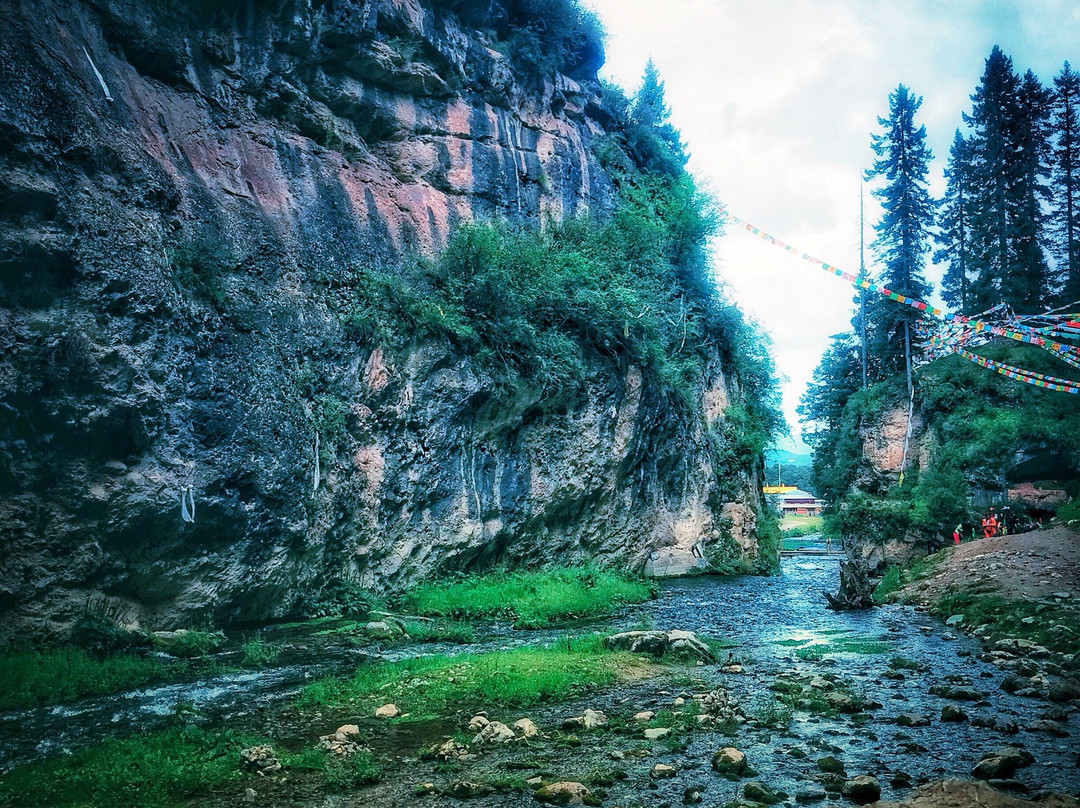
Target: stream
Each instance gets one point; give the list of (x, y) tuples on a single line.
[(770, 619)]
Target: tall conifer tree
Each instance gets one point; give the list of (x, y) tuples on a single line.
[(992, 117), (1027, 286), (1066, 181), (954, 219), (908, 212)]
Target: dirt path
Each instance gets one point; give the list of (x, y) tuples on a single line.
[(1026, 566)]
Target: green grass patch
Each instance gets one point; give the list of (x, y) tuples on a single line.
[(1054, 626), (259, 653), (890, 582), (434, 685), (150, 770), (37, 678), (530, 599), (901, 663)]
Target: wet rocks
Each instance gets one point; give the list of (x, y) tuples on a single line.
[(862, 789), (451, 750), (810, 793), (343, 742), (478, 722), (566, 793), (1063, 691), (644, 716), (831, 764), (952, 713), (382, 630), (684, 644), (692, 795), (494, 732), (956, 693), (1001, 764), (1055, 728), (526, 728), (260, 759), (387, 711), (662, 771), (760, 793), (656, 733), (912, 720), (465, 789), (730, 762), (951, 793), (591, 719)]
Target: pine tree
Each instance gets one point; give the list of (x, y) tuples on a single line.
[(651, 137), (1009, 169), (954, 219), (1027, 286), (993, 113), (1065, 223), (908, 212)]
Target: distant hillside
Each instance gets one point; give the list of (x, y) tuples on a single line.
[(785, 456)]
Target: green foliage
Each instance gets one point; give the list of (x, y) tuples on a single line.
[(548, 36), (338, 599), (433, 685), (259, 653), (157, 769), (193, 643), (35, 678), (889, 583), (440, 631), (101, 635), (358, 769), (1069, 512), (530, 599)]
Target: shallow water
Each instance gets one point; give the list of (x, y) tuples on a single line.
[(757, 613)]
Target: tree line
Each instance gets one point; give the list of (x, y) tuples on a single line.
[(1007, 229)]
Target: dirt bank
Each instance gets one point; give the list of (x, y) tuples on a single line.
[(1026, 566)]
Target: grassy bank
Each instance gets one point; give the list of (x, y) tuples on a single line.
[(150, 770), (530, 599), (162, 768), (36, 678), (1052, 626), (437, 684)]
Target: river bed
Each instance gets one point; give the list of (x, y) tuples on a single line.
[(776, 622)]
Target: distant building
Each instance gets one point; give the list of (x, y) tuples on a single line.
[(799, 503)]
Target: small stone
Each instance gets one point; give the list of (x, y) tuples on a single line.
[(862, 789), (730, 762), (955, 620), (692, 795), (679, 702), (464, 789), (1001, 765), (656, 733), (662, 771), (950, 712), (260, 759), (810, 793), (1055, 728), (1064, 691), (526, 728), (644, 716), (761, 793), (478, 722), (347, 732), (380, 630), (831, 764), (388, 711), (566, 793), (426, 790), (593, 719), (494, 732), (912, 720), (250, 795)]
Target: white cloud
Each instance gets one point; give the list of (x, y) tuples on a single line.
[(777, 99)]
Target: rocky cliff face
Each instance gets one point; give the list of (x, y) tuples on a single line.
[(181, 191)]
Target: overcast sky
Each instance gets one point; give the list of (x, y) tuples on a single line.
[(777, 99)]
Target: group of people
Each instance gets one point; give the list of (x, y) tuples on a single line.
[(992, 524)]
